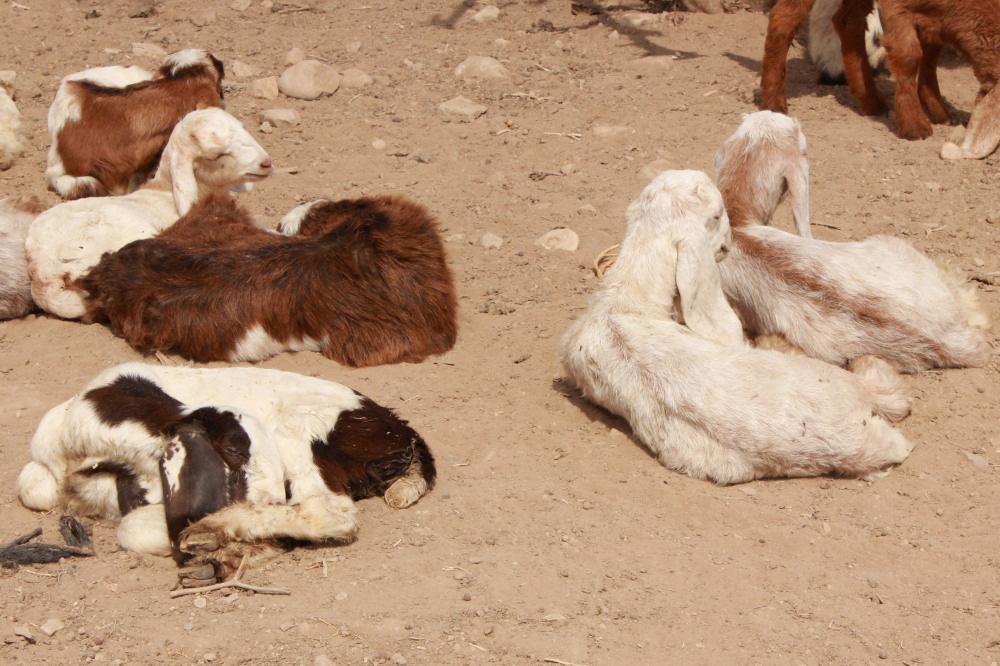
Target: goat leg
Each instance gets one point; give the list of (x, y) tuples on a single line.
[(850, 24), (784, 21)]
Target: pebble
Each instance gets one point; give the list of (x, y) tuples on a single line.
[(475, 560), (202, 18), (266, 127), (481, 68), (567, 169), (466, 597), (355, 78), (295, 56), (25, 633), (309, 79), (462, 108), (554, 617), (491, 242), (978, 262), (278, 117), (486, 14), (210, 656), (352, 47), (286, 626), (241, 70), (588, 209), (266, 88), (609, 130), (240, 5), (147, 50), (559, 239), (379, 144), (200, 602), (51, 626), (340, 596)]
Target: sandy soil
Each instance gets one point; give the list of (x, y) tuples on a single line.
[(552, 534)]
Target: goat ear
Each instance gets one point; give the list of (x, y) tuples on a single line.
[(797, 178), (185, 185), (704, 306), (211, 140)]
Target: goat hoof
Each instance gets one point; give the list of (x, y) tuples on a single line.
[(194, 542), (917, 132), (199, 575)]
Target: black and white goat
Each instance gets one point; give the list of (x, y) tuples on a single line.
[(211, 465)]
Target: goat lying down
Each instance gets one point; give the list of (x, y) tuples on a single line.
[(108, 125), (207, 149), (211, 465), (363, 281), (835, 301), (695, 395), (15, 288)]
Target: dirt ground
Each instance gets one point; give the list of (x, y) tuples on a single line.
[(552, 534)]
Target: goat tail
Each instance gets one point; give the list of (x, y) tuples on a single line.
[(884, 385)]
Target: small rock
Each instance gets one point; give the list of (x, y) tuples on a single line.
[(976, 459), (322, 660), (8, 78), (51, 626), (462, 108), (486, 14), (554, 617), (398, 659), (25, 633), (147, 50), (491, 241), (309, 79), (210, 657), (481, 68), (340, 596), (240, 5), (587, 209), (379, 144), (883, 655), (609, 130), (559, 239), (654, 169), (475, 560), (200, 602), (278, 117), (266, 88), (355, 78), (295, 56), (202, 18), (352, 47), (978, 262), (826, 528), (567, 169), (241, 70), (286, 626), (266, 127), (466, 597)]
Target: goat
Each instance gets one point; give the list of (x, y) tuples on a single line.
[(109, 124), (209, 465), (836, 301), (704, 403), (915, 32), (850, 22), (207, 149), (363, 281), (10, 131), (824, 44), (15, 288)]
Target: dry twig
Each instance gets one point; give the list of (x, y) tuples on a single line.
[(235, 582)]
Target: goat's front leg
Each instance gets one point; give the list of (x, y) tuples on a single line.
[(850, 22), (927, 85), (903, 53), (221, 539), (784, 21)]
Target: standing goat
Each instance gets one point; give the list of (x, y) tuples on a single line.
[(208, 149), (363, 281), (701, 401), (109, 124), (835, 301), (212, 465)]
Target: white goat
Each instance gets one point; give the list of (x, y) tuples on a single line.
[(701, 401), (835, 301), (208, 482), (10, 131), (208, 147), (15, 288)]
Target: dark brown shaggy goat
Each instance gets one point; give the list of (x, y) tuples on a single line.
[(107, 140), (364, 281)]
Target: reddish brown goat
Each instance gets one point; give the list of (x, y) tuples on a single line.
[(915, 31), (784, 22), (107, 140), (364, 281)]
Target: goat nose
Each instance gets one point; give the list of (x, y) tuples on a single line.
[(265, 163)]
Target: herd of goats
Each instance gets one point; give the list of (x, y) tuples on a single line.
[(736, 351)]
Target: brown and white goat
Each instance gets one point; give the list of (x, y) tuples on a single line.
[(110, 124), (915, 32), (835, 301), (850, 22), (210, 465), (363, 281)]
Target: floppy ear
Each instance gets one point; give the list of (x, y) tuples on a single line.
[(797, 178), (180, 161), (703, 304), (211, 140)]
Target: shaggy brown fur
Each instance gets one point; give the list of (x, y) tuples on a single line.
[(122, 131), (367, 278), (915, 31), (785, 19)]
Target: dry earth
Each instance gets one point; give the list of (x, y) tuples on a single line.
[(552, 534)]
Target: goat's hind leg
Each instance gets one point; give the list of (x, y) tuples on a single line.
[(983, 133), (782, 24), (927, 84)]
